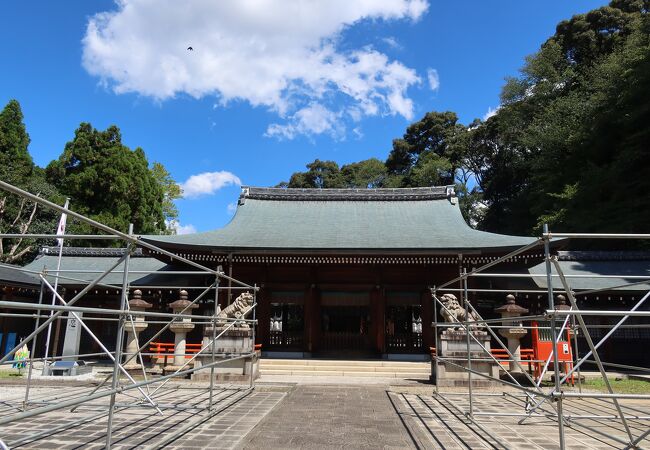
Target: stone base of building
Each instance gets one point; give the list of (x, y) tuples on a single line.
[(133, 369), (232, 344), (450, 368), (229, 369), (168, 370)]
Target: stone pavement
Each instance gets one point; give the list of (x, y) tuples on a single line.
[(391, 417), (353, 417), (140, 427), (439, 421), (293, 414)]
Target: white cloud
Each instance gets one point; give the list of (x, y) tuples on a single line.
[(279, 54), (207, 183), (490, 112), (312, 119), (391, 42), (181, 229), (434, 79)]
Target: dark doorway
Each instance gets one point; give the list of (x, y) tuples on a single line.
[(286, 330), (404, 329), (345, 329)]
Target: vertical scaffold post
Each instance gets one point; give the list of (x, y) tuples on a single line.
[(253, 324), (435, 335), (576, 355), (33, 353), (469, 353), (118, 344), (551, 306), (214, 338)]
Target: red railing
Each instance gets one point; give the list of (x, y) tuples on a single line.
[(162, 352), (527, 355)]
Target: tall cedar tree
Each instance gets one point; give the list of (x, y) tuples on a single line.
[(108, 181), (18, 216)]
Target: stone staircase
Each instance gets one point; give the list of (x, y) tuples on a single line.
[(346, 368)]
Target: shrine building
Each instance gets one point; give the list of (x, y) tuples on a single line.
[(344, 271)]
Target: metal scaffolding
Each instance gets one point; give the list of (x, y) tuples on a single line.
[(535, 401), (120, 391)]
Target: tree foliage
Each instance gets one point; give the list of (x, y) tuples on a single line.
[(573, 129), (109, 182), (103, 178), (17, 215), (171, 192), (569, 145)]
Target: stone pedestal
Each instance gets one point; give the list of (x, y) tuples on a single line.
[(180, 327), (510, 311), (234, 342), (133, 330), (453, 344)]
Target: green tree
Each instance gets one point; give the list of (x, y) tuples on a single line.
[(17, 215), (427, 154), (108, 181), (16, 165), (573, 126), (370, 173), (171, 192), (320, 174)]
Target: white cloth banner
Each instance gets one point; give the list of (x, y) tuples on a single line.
[(60, 231)]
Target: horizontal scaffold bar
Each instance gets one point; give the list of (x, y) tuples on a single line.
[(597, 235), (595, 312), (125, 312)]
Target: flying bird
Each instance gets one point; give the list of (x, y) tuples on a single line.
[(190, 49)]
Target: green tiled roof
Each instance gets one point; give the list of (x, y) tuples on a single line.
[(274, 219), (590, 271), (10, 274), (95, 263)]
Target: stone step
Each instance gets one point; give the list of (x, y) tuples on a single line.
[(331, 362), (343, 373), (339, 367)]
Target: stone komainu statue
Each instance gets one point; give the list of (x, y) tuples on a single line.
[(236, 310), (455, 312)]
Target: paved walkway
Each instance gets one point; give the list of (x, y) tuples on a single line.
[(391, 417), (353, 417), (238, 412), (292, 415)]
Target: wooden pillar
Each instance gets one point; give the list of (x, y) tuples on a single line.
[(306, 314), (263, 316), (373, 310), (380, 300), (426, 301), (313, 315)]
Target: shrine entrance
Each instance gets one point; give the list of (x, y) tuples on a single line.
[(404, 323), (345, 323)]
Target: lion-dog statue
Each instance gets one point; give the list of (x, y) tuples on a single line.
[(455, 313), (236, 310)]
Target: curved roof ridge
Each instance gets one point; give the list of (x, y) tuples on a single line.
[(276, 219), (347, 194)]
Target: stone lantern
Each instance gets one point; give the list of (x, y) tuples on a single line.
[(136, 304), (181, 326), (560, 303), (510, 310)]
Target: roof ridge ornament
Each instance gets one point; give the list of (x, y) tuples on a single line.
[(245, 191), (451, 194)]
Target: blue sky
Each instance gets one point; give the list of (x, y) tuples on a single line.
[(271, 84)]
